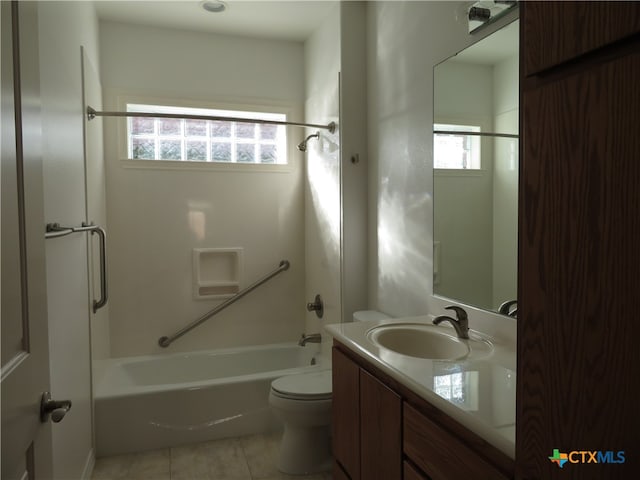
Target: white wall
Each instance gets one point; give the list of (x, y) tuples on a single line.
[(354, 157), (322, 186), (405, 41), (151, 239), (63, 28)]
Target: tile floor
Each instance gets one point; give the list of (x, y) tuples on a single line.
[(244, 458)]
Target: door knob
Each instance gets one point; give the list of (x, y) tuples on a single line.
[(56, 408)]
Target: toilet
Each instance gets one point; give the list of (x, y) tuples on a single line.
[(303, 403)]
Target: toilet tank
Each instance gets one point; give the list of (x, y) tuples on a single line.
[(364, 315)]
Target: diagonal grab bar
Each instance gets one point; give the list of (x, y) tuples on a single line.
[(166, 341)]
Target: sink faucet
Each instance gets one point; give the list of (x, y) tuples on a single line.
[(510, 308), (313, 338), (461, 324)]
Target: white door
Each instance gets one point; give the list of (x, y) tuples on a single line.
[(24, 373)]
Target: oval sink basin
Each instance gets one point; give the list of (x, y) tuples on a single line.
[(419, 340)]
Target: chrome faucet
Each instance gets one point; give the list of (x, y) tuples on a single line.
[(510, 307), (313, 338), (460, 323)]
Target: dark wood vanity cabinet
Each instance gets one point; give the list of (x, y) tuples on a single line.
[(345, 415), (579, 237), (366, 424), (383, 431)]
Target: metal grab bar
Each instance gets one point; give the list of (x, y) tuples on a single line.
[(54, 230), (103, 269), (166, 341), (92, 113)]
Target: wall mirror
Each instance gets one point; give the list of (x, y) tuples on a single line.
[(475, 187)]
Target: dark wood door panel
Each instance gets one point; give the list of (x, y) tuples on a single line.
[(380, 430), (345, 413), (440, 454), (558, 31), (579, 267)]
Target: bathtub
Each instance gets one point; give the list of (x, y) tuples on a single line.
[(160, 401)]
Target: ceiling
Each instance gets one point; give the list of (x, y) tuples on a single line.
[(283, 20)]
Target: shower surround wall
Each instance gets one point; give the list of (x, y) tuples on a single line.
[(322, 183), (336, 198), (158, 216)]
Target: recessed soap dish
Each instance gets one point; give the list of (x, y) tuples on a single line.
[(217, 272)]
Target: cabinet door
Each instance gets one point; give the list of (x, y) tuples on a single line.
[(410, 473), (345, 418), (579, 264), (440, 454), (556, 32), (338, 473), (380, 430)]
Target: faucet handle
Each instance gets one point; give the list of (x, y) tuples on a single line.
[(508, 307), (316, 306), (461, 314)]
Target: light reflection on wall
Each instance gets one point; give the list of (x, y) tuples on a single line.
[(197, 224), (324, 174), (403, 253)]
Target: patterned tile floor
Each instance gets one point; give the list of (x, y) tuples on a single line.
[(244, 458)]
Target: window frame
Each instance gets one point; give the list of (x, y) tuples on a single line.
[(231, 105), (486, 148), (476, 142)]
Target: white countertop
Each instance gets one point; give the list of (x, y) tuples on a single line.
[(477, 391)]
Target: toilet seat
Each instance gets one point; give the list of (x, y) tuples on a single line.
[(305, 386)]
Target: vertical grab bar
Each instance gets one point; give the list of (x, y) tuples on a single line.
[(103, 269), (54, 230)]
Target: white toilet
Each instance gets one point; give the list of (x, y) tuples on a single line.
[(303, 403)]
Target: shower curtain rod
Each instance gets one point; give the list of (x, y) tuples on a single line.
[(92, 113), (477, 134)]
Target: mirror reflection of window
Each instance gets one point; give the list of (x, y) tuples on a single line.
[(460, 388), (475, 176), (456, 150)]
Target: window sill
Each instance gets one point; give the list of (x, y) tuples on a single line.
[(208, 166), (455, 172)]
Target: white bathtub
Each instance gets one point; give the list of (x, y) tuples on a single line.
[(150, 402)]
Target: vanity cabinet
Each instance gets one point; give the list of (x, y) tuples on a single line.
[(382, 430), (366, 423)]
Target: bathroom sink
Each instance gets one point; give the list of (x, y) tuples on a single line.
[(419, 340)]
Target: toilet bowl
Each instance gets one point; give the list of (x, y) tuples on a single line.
[(303, 403)]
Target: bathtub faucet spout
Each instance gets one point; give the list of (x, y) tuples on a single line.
[(313, 338)]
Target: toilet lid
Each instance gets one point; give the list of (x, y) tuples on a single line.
[(311, 386)]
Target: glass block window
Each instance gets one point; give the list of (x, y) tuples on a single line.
[(194, 140), (456, 150)]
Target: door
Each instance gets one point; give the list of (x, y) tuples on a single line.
[(24, 371)]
